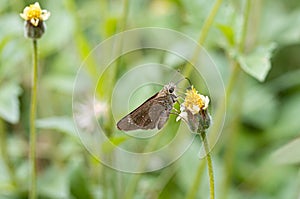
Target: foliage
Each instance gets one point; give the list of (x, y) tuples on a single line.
[(257, 155)]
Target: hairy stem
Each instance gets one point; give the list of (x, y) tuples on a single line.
[(209, 166), (32, 155)]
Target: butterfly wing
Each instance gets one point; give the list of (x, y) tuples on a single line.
[(151, 114)]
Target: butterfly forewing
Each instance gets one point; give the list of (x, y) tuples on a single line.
[(153, 113)]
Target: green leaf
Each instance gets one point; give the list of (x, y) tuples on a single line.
[(257, 64), (9, 102), (288, 154), (62, 124), (228, 32)]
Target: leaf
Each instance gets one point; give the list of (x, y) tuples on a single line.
[(288, 154), (228, 32), (63, 124), (9, 102), (257, 64)]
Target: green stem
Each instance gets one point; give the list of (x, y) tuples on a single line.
[(32, 155), (203, 35), (114, 72), (209, 21), (125, 15), (209, 166), (6, 160), (245, 26), (229, 154)]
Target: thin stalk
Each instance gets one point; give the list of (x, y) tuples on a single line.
[(245, 26), (232, 139), (32, 155), (125, 15), (209, 166), (203, 35), (6, 160), (230, 152), (209, 21), (114, 72)]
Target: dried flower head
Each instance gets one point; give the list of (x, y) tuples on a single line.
[(194, 110), (34, 18)]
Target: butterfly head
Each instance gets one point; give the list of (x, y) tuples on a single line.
[(169, 90)]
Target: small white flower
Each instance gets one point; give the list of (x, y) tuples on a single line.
[(195, 102), (34, 14), (194, 110)]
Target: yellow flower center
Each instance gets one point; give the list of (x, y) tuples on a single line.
[(34, 14), (193, 99), (34, 11)]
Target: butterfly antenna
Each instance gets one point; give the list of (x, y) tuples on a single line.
[(185, 78), (189, 81)]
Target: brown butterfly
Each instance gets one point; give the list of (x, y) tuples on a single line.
[(153, 113)]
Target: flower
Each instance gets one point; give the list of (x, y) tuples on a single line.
[(34, 18), (194, 101), (34, 14), (194, 110)]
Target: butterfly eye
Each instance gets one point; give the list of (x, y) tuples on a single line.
[(171, 90)]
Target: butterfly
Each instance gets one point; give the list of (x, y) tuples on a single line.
[(153, 113)]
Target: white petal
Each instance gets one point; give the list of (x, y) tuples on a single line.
[(182, 115), (45, 15), (195, 109), (36, 4), (26, 10), (182, 108), (34, 21), (206, 102), (24, 16)]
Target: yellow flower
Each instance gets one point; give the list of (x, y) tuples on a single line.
[(194, 111), (195, 102), (34, 14)]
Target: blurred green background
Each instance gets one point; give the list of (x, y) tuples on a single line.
[(258, 153)]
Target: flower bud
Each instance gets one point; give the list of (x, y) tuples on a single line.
[(34, 32), (34, 18)]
